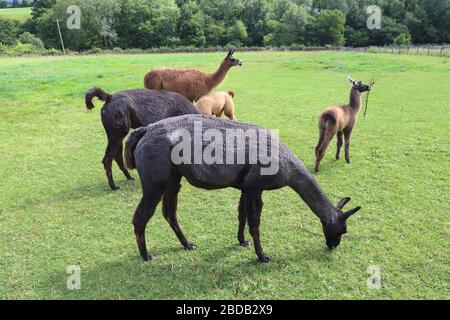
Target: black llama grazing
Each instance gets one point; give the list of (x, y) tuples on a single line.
[(150, 149), (133, 109)]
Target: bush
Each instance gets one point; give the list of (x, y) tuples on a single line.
[(8, 31), (95, 50), (117, 50), (403, 39), (28, 38)]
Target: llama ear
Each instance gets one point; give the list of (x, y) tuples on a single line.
[(230, 53), (349, 213), (343, 202), (351, 80)]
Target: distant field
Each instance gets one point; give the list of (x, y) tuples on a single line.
[(56, 208), (19, 14)]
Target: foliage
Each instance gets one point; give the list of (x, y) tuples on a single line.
[(207, 23), (28, 38), (8, 31)]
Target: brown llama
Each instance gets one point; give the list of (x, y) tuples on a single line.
[(340, 121), (190, 83), (217, 103), (132, 109)]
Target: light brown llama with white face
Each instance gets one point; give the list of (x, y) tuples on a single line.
[(340, 121), (217, 103), (190, 83)]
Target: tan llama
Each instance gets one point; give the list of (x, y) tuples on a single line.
[(217, 103), (340, 121)]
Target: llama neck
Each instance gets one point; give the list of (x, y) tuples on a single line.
[(355, 99), (217, 77), (309, 190)]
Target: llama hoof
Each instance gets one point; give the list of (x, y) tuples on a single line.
[(338, 158), (316, 170), (264, 259), (348, 161), (149, 258), (244, 243), (115, 188), (190, 247)]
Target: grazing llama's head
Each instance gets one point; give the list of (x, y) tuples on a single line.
[(335, 228), (231, 61)]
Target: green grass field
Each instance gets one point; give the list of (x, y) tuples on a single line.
[(56, 208), (19, 14)]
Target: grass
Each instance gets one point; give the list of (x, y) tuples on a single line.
[(56, 208), (19, 14)]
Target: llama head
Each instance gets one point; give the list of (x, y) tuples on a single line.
[(358, 85), (231, 61), (334, 229)]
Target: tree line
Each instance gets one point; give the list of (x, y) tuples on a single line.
[(234, 23)]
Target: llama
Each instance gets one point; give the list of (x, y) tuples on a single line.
[(133, 109), (214, 104), (149, 149), (340, 121), (190, 83)]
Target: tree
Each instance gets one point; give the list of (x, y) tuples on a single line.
[(255, 15), (39, 7), (97, 25), (329, 28), (8, 31), (148, 23), (191, 24), (403, 39), (28, 38), (237, 34), (3, 4), (15, 4)]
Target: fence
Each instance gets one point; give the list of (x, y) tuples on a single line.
[(442, 50)]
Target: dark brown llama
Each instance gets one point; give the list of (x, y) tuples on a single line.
[(190, 83), (340, 121), (133, 109), (151, 150)]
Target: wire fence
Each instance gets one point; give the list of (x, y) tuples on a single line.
[(442, 50)]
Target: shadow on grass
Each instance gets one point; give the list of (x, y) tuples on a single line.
[(177, 274)]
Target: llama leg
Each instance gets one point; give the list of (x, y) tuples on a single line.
[(231, 115), (110, 154), (321, 137), (170, 202), (347, 136), (242, 221), (254, 206), (119, 160), (323, 148), (142, 215), (339, 145)]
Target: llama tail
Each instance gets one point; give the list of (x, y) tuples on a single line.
[(96, 92), (131, 145), (231, 93), (329, 126)]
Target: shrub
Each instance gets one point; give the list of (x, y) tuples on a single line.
[(96, 50), (28, 38), (8, 31)]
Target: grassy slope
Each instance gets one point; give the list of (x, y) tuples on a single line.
[(19, 14), (57, 210)]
